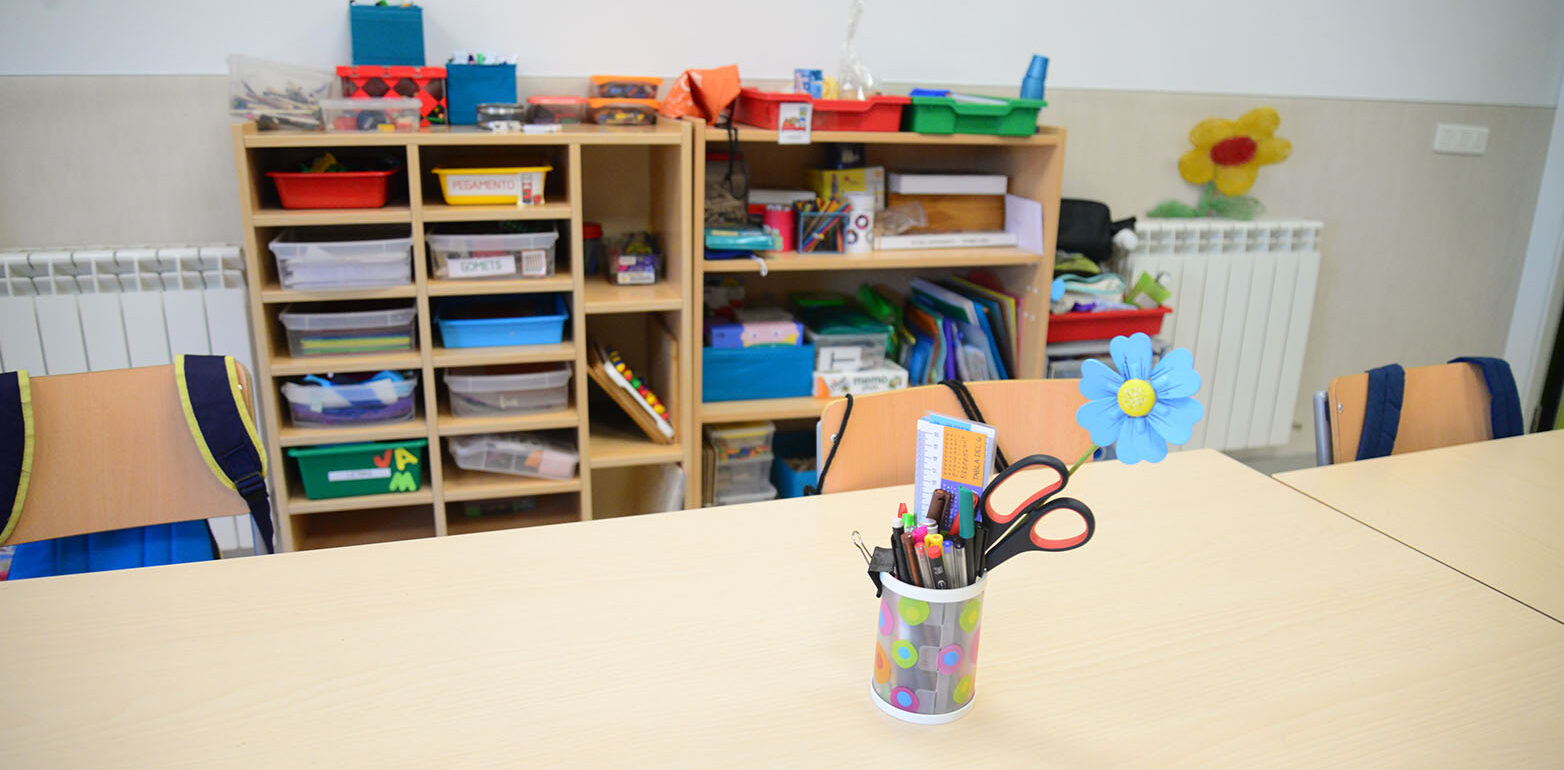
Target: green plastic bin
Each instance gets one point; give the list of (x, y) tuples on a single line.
[(946, 115), (350, 470)]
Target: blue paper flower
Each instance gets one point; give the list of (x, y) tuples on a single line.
[(1141, 408)]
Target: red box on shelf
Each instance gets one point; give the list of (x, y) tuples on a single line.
[(332, 189), (877, 113), (1070, 327), (426, 84)]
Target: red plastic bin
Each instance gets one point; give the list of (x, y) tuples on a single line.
[(332, 189), (877, 113), (1070, 327)]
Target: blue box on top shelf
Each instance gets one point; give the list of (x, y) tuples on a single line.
[(387, 35), (737, 374), (790, 449), (469, 85)]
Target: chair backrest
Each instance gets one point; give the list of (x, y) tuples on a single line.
[(112, 450), (1030, 417), (1441, 406)]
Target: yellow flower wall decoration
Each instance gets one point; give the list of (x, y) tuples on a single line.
[(1226, 158)]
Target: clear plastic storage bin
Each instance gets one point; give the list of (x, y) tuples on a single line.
[(333, 259), (518, 454), (739, 498), (489, 390), (371, 114), (492, 255), (742, 440), (324, 402), (848, 352), (349, 328), (739, 476)]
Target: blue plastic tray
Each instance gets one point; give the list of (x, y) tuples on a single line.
[(539, 320), (736, 374)]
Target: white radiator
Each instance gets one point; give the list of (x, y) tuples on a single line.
[(80, 310), (1242, 296)]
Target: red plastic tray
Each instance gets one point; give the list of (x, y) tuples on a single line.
[(332, 189), (877, 113), (1069, 327)]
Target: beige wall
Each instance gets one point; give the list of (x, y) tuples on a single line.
[(1422, 257)]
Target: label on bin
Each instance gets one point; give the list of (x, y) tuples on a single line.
[(358, 474), (479, 266), (534, 262)]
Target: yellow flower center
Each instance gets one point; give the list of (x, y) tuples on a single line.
[(1136, 398)]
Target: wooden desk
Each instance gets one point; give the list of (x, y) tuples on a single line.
[(1219, 619), (1493, 510)]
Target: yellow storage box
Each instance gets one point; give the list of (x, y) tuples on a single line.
[(521, 185)]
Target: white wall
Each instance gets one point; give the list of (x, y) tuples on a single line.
[(1507, 52)]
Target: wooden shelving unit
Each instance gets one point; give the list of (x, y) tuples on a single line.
[(1033, 164), (626, 178)]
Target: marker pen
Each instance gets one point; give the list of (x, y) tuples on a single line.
[(914, 577), (949, 555), (963, 577), (933, 547), (925, 565), (898, 554)]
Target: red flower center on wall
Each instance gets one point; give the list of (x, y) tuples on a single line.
[(1233, 151)]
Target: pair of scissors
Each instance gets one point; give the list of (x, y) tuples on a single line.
[(1015, 503)]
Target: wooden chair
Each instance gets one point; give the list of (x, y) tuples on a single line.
[(1441, 406), (1031, 417), (112, 450)]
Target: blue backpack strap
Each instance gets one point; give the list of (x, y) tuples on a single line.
[(1504, 399), (16, 448), (1382, 411), (214, 408)]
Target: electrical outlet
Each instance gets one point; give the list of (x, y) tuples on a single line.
[(1456, 139)]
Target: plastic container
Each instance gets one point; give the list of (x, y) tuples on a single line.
[(387, 34), (742, 440), (332, 189), (339, 262), (511, 389), (592, 246), (500, 116), (528, 319), (736, 374), (766, 492), (459, 256), (925, 651), (426, 84), (348, 328), (351, 470), (877, 113), (469, 85), (517, 454), (741, 476), (948, 115), (352, 401), (625, 86), (623, 112), (503, 185), (848, 352), (557, 109), (821, 232), (277, 95), (370, 114), (1069, 327), (633, 260)]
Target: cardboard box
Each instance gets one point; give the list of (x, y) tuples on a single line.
[(828, 183), (879, 379)]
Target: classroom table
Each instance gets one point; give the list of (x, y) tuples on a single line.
[(1218, 618), (1492, 509)]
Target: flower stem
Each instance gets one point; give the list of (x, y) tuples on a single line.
[(1207, 193), (1083, 458)]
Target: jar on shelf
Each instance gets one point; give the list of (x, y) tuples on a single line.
[(592, 246)]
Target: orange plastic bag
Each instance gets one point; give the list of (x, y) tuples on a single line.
[(702, 93)]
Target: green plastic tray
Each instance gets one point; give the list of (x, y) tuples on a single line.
[(350, 470), (945, 115)]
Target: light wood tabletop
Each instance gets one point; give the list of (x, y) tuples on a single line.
[(1493, 509), (1217, 619)]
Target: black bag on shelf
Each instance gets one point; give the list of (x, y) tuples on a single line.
[(1087, 227)]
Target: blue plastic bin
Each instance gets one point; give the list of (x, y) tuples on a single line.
[(387, 35), (792, 444), (529, 319), (737, 374), (469, 85)]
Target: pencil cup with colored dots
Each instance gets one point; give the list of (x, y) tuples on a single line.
[(925, 651)]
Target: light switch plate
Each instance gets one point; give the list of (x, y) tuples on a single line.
[(1457, 139)]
